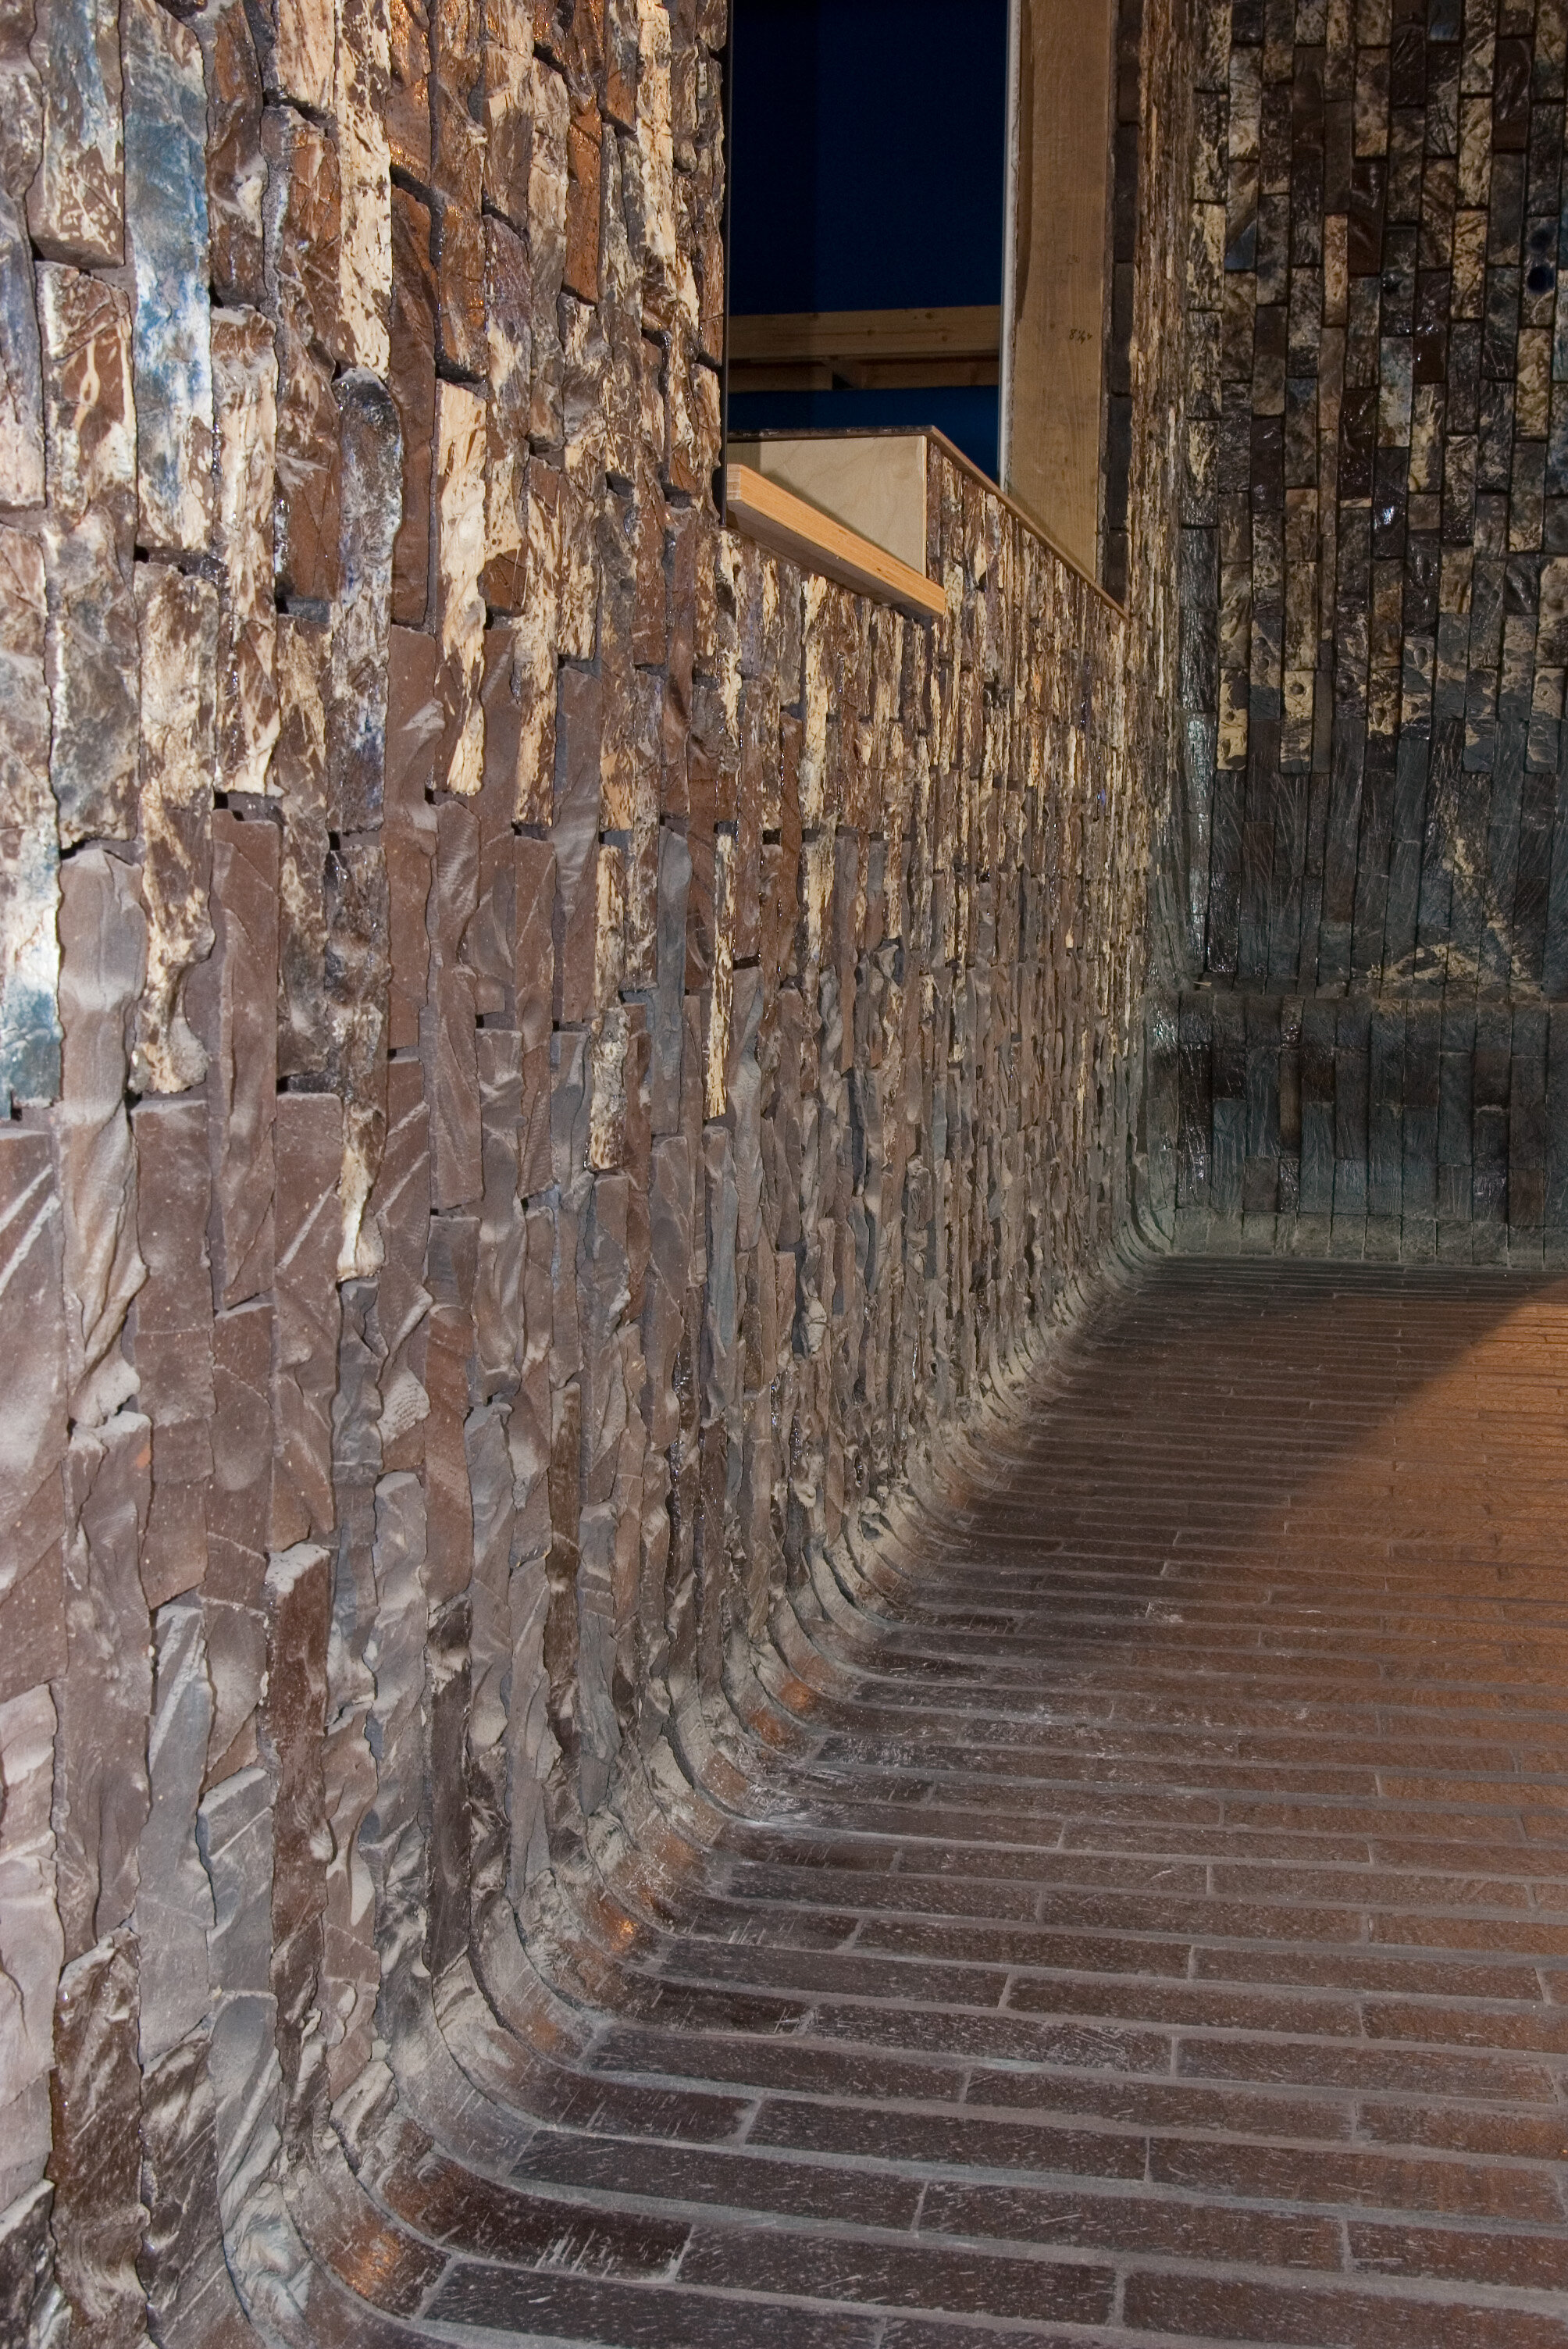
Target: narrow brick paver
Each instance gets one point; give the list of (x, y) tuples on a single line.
[(1147, 1923)]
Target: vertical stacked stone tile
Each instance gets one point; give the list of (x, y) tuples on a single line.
[(1371, 679)]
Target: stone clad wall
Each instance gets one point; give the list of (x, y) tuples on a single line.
[(1374, 575), (545, 1054)]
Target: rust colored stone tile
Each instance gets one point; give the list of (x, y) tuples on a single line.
[(95, 2165), (244, 379), (236, 166), (242, 1071), (76, 206), (88, 407), (300, 770), (400, 1204), (31, 1504), (172, 1344), (103, 964), (31, 1941), (308, 1142), (92, 660), (177, 621), (412, 381), (30, 892), (101, 1794), (508, 307)]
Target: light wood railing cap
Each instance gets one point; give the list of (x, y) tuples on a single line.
[(764, 511)]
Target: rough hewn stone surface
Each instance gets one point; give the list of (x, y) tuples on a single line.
[(29, 843), (166, 216), (549, 1055), (1374, 548)]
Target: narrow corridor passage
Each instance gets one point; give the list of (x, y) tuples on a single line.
[(1151, 1924)]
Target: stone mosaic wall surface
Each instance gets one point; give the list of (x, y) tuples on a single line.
[(545, 1053), (1375, 578)]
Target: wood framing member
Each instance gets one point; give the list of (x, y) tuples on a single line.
[(1059, 213), (871, 350), (764, 511)]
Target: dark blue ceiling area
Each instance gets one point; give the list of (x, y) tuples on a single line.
[(866, 153)]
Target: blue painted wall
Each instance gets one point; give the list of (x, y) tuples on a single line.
[(867, 161)]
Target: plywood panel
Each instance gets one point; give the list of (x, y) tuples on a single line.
[(777, 519), (875, 484), (1051, 432)]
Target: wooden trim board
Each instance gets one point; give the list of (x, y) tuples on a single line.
[(860, 374), (872, 484), (787, 525), (869, 336)]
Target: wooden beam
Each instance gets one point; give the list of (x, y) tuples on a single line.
[(858, 374), (780, 375), (787, 525), (1061, 213), (870, 337), (916, 375)]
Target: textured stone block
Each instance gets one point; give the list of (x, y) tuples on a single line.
[(389, 1837), (174, 1896), (166, 219), (176, 626), (447, 1023), (371, 446), (451, 1268), (32, 1947), (29, 848), (96, 2160), (305, 674), (76, 207), (400, 1204), (263, 2251), (297, 43), (519, 662), (350, 1969), (21, 379), (172, 1345), (244, 384), (190, 2291), (460, 551), (357, 968), (104, 1696), (89, 408), (21, 119), (508, 37), (299, 1613), (309, 1147), (239, 1514), (93, 659), (236, 167), (33, 1329), (103, 962), (547, 248), (408, 105), (26, 2261), (302, 221), (365, 248), (413, 737), (459, 292), (411, 379), (241, 1075), (508, 299), (498, 1295)]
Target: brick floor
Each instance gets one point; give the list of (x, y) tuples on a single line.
[(1137, 1914)]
